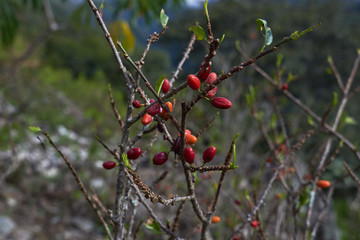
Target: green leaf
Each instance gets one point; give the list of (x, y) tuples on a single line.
[(290, 78), (35, 129), (273, 121), (310, 120), (199, 32), (279, 59), (247, 194), (197, 179), (335, 100), (349, 120), (122, 30), (304, 197), (262, 26), (163, 18), (222, 38), (126, 161), (232, 165), (154, 227), (296, 35), (101, 7), (159, 84)]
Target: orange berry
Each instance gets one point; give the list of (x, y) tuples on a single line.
[(190, 139), (164, 113), (146, 119), (215, 219), (323, 184)]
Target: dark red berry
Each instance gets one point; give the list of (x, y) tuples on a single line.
[(254, 224), (134, 153), (221, 103), (136, 104), (189, 155), (146, 119), (160, 158), (284, 87), (209, 154), (176, 146), (211, 78), (205, 74), (154, 109), (109, 165), (165, 86), (193, 82)]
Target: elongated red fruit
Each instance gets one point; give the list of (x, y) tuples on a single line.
[(209, 154), (165, 86), (189, 155), (205, 74), (193, 82), (146, 119), (109, 165), (212, 92), (134, 153), (323, 184), (160, 158), (221, 103), (211, 78), (136, 104)]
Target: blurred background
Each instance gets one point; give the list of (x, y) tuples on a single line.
[(55, 66)]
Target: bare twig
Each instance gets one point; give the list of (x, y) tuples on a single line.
[(81, 185), (352, 174)]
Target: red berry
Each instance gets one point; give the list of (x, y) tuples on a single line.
[(209, 154), (109, 165), (189, 155), (136, 104), (215, 219), (176, 146), (134, 153), (146, 119), (165, 86), (205, 74), (284, 87), (323, 184), (154, 109), (160, 158), (211, 93), (221, 103), (211, 78), (193, 82), (254, 224)]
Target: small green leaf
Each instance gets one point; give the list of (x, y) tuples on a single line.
[(232, 165), (310, 120), (304, 197), (273, 121), (199, 32), (126, 161), (247, 194), (279, 59), (163, 18), (329, 59), (328, 71), (291, 77), (349, 120), (222, 38), (101, 7), (296, 35), (159, 84), (197, 179), (35, 129), (262, 26), (335, 100), (154, 227)]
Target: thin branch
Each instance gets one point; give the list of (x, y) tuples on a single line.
[(184, 58), (336, 74), (81, 185), (116, 112), (352, 174)]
